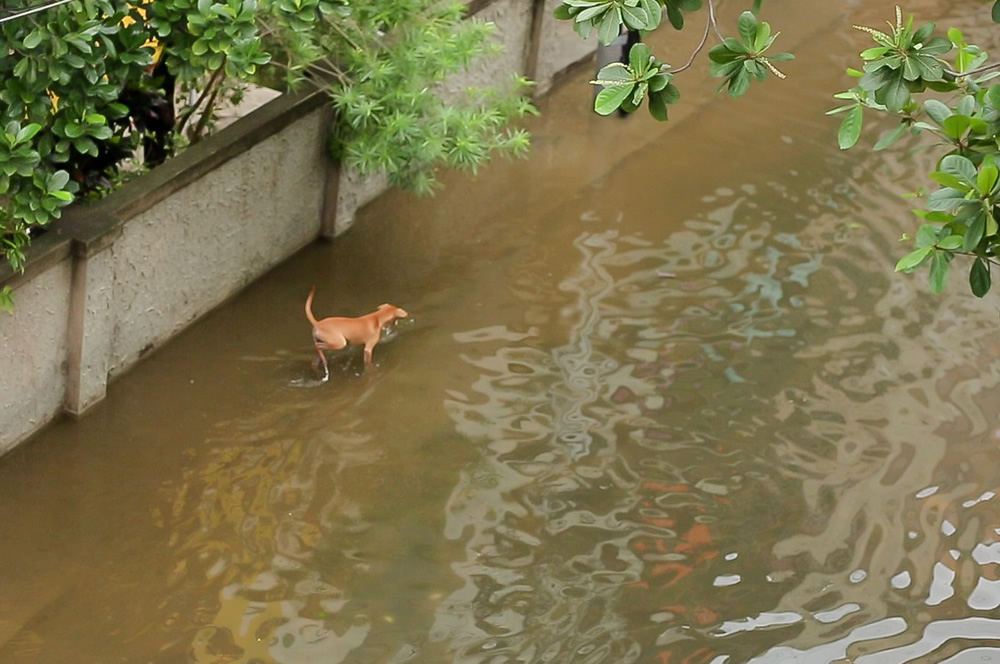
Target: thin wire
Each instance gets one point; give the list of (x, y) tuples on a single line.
[(35, 10)]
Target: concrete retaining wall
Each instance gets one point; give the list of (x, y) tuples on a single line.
[(115, 279)]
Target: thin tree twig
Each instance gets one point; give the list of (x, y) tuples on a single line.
[(333, 23), (330, 70), (972, 72), (989, 259), (712, 21), (205, 115), (208, 88), (697, 50)]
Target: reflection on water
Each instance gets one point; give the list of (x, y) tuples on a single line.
[(780, 452)]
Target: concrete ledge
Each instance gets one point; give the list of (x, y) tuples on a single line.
[(115, 278), (89, 223)]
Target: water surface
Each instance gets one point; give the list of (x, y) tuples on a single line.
[(782, 452)]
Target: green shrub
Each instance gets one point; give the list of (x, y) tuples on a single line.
[(85, 84)]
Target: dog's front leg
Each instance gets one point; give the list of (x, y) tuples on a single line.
[(370, 346)]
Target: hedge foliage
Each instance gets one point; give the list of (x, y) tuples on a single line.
[(86, 84)]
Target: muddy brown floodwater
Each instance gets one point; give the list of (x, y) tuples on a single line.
[(785, 453)]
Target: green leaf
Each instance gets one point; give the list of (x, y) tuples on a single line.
[(739, 83), (939, 217), (610, 27), (671, 94), (725, 70), (755, 69), (967, 212), (875, 79), (723, 55), (966, 105), (654, 11), (955, 126), (615, 73), (993, 95), (609, 99), (85, 145), (923, 33), (658, 102), (638, 58), (890, 137), (995, 13), (639, 94), (591, 12), (930, 67), (659, 81), (961, 167), (987, 179), (6, 299), (850, 128), (874, 52), (936, 46), (939, 271), (945, 199), (101, 133), (635, 18), (27, 132), (73, 130), (911, 69), (975, 232), (949, 180), (33, 39), (927, 236), (896, 94), (735, 46), (951, 243), (57, 180), (763, 39), (937, 110), (675, 16), (840, 109), (747, 25), (979, 277), (913, 260)]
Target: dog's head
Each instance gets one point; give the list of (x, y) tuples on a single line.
[(390, 313)]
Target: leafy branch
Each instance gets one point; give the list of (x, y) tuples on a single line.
[(961, 214), (626, 85)]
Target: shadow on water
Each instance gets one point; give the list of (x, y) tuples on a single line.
[(781, 452)]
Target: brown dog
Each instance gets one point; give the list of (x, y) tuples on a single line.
[(335, 333)]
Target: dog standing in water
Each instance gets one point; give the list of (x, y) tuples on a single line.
[(335, 333)]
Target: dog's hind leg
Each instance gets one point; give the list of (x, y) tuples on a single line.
[(322, 358)]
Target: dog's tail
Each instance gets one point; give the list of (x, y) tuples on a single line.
[(309, 304)]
